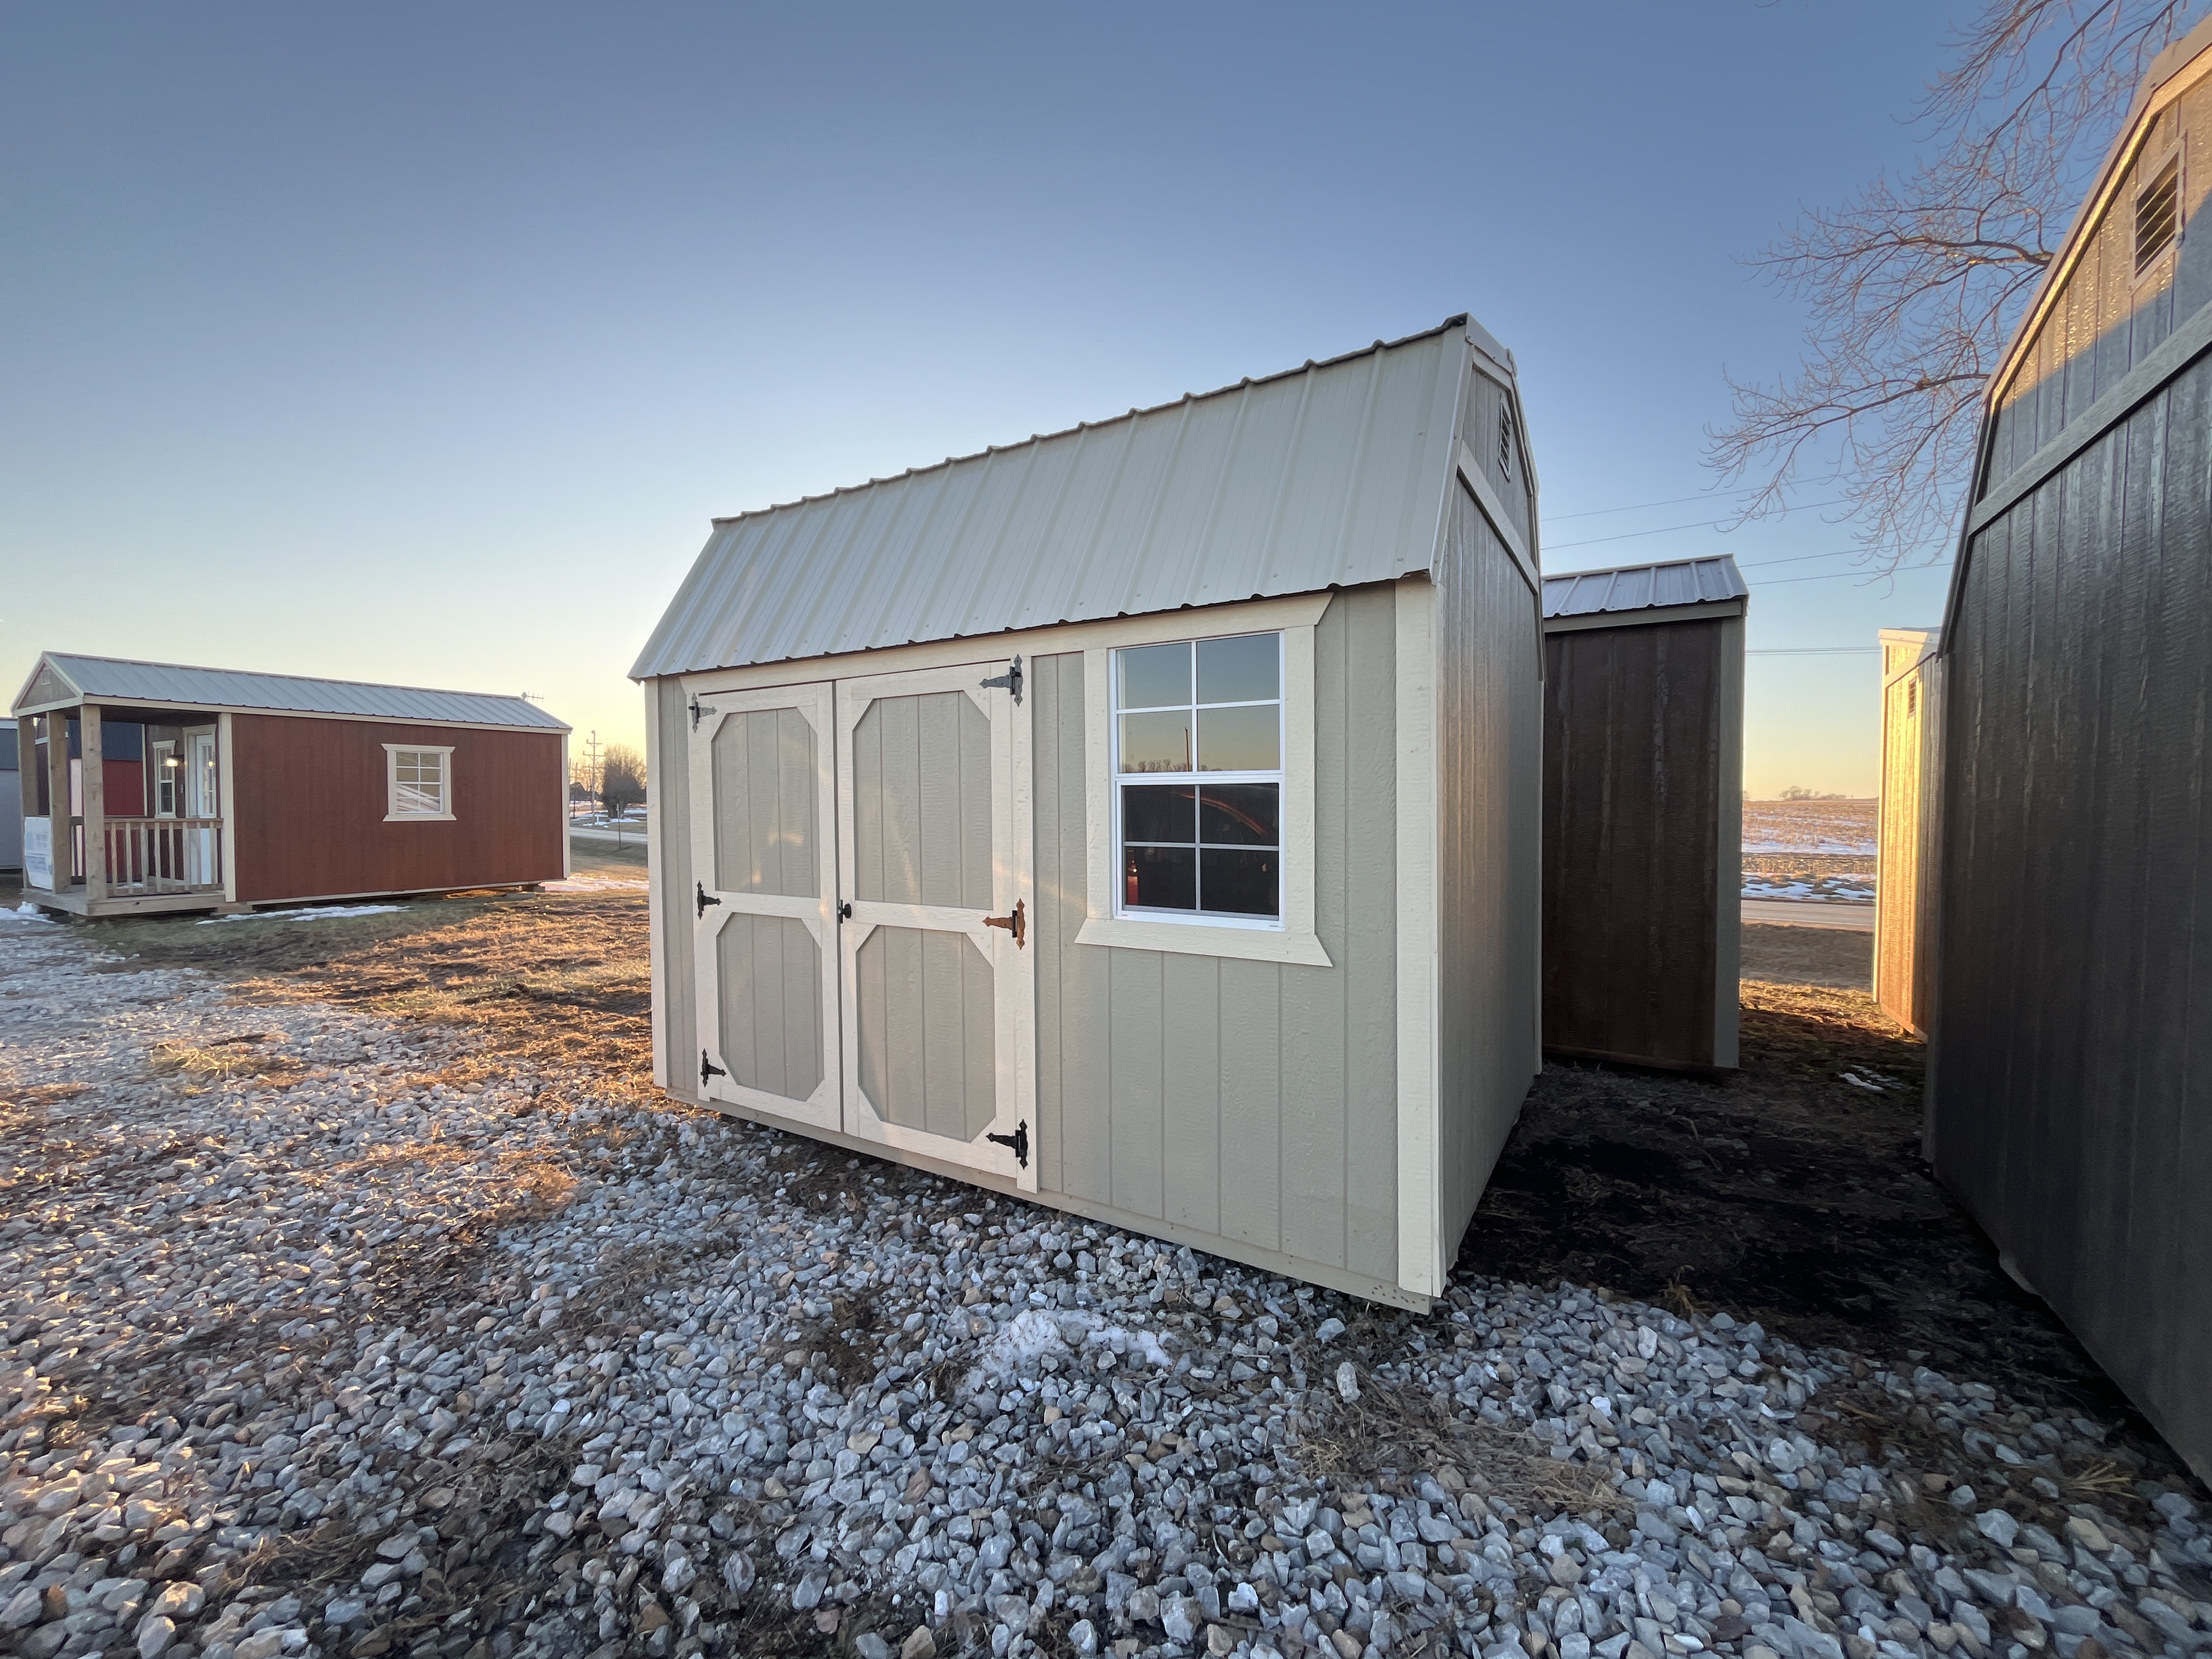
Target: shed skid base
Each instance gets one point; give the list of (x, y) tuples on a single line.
[(77, 904), (1251, 1256)]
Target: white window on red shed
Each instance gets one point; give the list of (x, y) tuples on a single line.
[(420, 783)]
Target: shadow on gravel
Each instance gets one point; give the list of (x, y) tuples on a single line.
[(1787, 1193)]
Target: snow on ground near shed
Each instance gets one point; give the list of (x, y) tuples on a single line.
[(311, 913), (1809, 826)]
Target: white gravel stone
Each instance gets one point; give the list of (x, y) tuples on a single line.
[(1037, 1428)]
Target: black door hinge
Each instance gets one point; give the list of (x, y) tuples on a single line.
[(1019, 1141), (845, 911), (1011, 679), (703, 900), (707, 1068), (697, 709)]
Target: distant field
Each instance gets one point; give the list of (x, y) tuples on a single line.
[(1808, 826)]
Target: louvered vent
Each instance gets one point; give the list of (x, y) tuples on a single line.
[(1505, 440), (2158, 209)]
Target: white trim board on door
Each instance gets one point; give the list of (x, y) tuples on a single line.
[(1005, 1146), (716, 908)]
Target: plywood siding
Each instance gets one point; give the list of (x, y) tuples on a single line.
[(2109, 316), (1636, 780), (310, 797), (1911, 743), (2075, 991), (1489, 837), (1250, 1100)]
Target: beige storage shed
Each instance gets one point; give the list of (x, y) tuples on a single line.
[(1143, 819), (1906, 831)]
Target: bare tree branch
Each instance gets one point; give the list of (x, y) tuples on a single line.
[(1912, 286)]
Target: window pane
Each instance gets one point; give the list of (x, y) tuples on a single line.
[(1156, 742), (1160, 877), (415, 799), (1159, 813), (1243, 814), (1238, 739), (1242, 670), (1155, 676), (1240, 883)]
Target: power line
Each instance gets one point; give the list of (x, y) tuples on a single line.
[(1637, 507), (1838, 576), (1813, 651), (1702, 524)]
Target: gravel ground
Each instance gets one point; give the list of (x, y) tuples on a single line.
[(311, 1349)]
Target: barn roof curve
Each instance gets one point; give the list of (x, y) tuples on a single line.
[(1330, 474)]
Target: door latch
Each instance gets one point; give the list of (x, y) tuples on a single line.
[(1017, 924), (707, 1068), (845, 911), (1011, 679), (1019, 1141), (697, 709), (703, 900)]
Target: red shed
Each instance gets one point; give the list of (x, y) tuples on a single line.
[(217, 790)]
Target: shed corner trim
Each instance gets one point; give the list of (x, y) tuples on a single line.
[(1421, 1262)]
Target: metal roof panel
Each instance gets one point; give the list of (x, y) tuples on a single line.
[(1329, 475), (1644, 588), (123, 680)]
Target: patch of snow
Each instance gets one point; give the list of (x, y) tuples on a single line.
[(31, 910), (311, 913), (1036, 1334)]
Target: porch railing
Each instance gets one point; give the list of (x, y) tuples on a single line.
[(164, 855)]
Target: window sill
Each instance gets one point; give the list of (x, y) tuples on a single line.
[(1198, 939), (419, 818)]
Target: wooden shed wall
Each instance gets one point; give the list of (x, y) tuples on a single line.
[(1911, 745), (309, 800), (2074, 1035), (1642, 766), (2108, 318), (1489, 846), (1243, 1100)]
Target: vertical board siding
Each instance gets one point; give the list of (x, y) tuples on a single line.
[(927, 1031), (2108, 318), (311, 795), (678, 995), (766, 786), (1904, 887), (1634, 792), (922, 802), (1252, 1101), (2068, 1096), (1489, 854), (770, 972)]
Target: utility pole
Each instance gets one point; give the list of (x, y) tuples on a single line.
[(592, 768)]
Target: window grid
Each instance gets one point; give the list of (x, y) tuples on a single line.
[(1235, 812), (418, 783)]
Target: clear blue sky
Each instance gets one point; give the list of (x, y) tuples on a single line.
[(419, 344)]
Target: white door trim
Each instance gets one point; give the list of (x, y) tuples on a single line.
[(824, 1108), (1013, 970)]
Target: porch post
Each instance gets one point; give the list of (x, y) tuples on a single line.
[(27, 768), (57, 799), (95, 806)]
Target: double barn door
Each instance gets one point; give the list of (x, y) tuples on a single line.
[(861, 850)]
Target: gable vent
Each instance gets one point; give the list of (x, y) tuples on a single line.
[(1505, 439), (2158, 207)]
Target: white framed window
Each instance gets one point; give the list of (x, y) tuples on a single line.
[(420, 783), (1198, 780), (1199, 752)]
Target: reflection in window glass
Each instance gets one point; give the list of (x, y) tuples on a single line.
[(1245, 669), (1202, 721), (1155, 676)]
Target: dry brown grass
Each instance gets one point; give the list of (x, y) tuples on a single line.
[(1394, 1433), (207, 1065)]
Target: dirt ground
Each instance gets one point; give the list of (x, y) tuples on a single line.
[(1835, 957), (1786, 1194)]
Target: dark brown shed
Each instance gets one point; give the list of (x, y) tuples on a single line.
[(1644, 812), (2068, 1096)]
